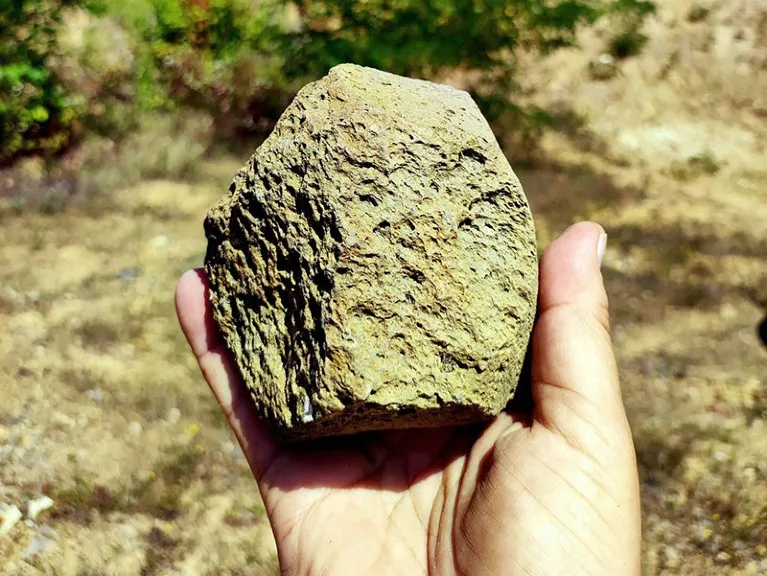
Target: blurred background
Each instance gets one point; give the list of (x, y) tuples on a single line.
[(122, 120)]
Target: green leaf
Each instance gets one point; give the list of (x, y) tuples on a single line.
[(39, 114)]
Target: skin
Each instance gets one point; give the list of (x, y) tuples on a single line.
[(548, 490)]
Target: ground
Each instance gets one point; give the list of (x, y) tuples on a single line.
[(104, 412)]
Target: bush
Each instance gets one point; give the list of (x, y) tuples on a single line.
[(221, 56), (96, 64), (629, 40), (424, 38), (240, 61), (35, 113)]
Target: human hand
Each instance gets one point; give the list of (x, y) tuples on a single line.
[(552, 491)]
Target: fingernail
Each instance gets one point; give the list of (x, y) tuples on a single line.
[(601, 247)]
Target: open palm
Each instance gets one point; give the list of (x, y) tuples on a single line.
[(550, 490)]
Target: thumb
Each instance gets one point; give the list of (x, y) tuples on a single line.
[(573, 367)]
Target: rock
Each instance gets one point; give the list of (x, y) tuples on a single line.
[(672, 556), (723, 557), (129, 531), (374, 264), (129, 537), (160, 241), (63, 421), (95, 394), (42, 542), (48, 532), (603, 68), (129, 273), (173, 416), (34, 507), (9, 517), (135, 429)]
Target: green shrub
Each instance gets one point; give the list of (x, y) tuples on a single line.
[(221, 56), (700, 164), (240, 61), (417, 37), (698, 13), (629, 39), (426, 38), (35, 112), (96, 64)]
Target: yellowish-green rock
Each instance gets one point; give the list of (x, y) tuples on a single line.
[(373, 266)]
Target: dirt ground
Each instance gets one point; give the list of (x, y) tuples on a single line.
[(103, 410)]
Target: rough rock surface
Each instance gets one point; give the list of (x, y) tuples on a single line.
[(374, 265)]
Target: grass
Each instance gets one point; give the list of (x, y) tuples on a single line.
[(660, 456), (627, 44), (758, 407), (102, 333), (720, 509), (77, 502), (703, 164), (160, 493), (120, 336), (679, 267), (698, 13), (161, 550), (269, 566), (561, 195), (163, 146)]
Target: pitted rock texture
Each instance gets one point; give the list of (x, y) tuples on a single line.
[(373, 265)]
